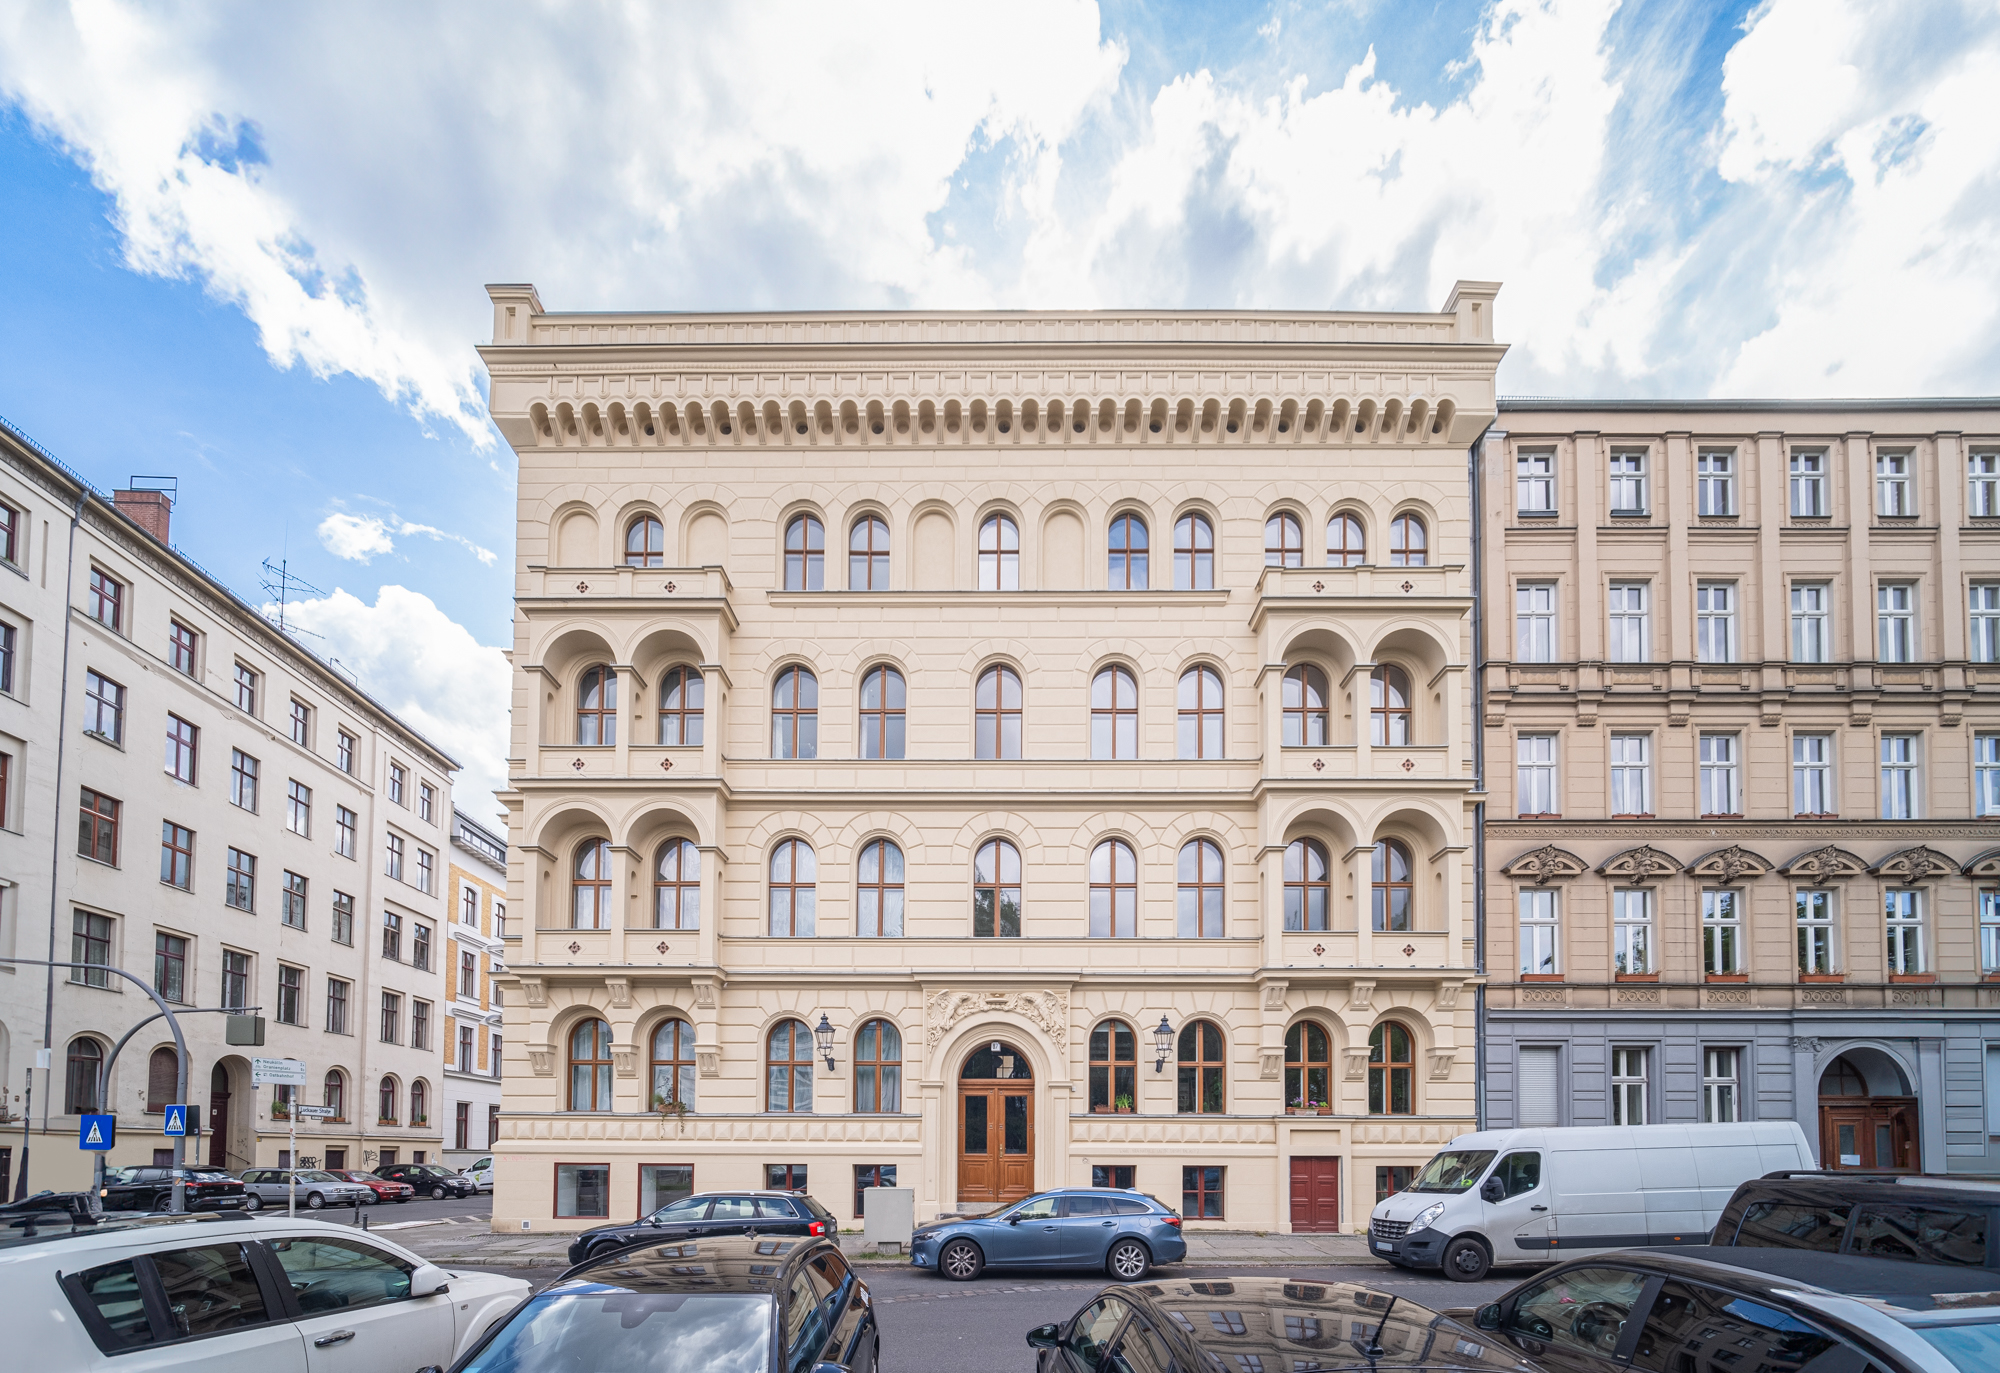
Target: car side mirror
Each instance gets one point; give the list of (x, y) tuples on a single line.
[(1494, 1190), (1046, 1336), (1013, 1220), (429, 1280), (1487, 1317)]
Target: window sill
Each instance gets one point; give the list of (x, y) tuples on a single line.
[(1822, 977), (1308, 1110), (1913, 977), (1722, 815), (1635, 977), (1536, 514), (1719, 515), (1635, 815), (1539, 815), (1631, 514), (1111, 1110), (1816, 815), (1541, 977), (1725, 977)]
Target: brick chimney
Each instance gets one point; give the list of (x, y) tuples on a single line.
[(150, 508)]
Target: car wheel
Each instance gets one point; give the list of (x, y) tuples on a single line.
[(314, 1201), (439, 1194), (253, 1202), (163, 1201), (1128, 1261), (961, 1261), (1466, 1260)]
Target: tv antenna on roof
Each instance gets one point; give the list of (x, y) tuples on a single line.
[(281, 582)]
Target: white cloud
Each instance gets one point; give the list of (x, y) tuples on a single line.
[(430, 671), (360, 537)]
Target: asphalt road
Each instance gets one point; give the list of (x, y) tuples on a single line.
[(390, 1213)]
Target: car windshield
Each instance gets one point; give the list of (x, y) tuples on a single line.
[(1455, 1170), (611, 1329), (1971, 1347)]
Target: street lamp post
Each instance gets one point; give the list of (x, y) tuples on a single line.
[(104, 1083)]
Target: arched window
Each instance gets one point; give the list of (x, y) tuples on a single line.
[(1389, 707), (882, 713), (794, 899), (385, 1102), (1304, 691), (1308, 892), (597, 708), (1114, 1067), (1284, 541), (1391, 874), (996, 890), (1198, 902), (1194, 554), (805, 554), (645, 543), (878, 907), (673, 1065), (788, 1062), (999, 554), (1198, 732), (419, 1103), (795, 715), (1345, 546), (677, 886), (590, 887), (1114, 714), (878, 1068), (1407, 541), (1391, 1071), (333, 1094), (1201, 1068), (868, 554), (1114, 891), (1308, 1068), (84, 1070), (680, 708), (590, 1067), (162, 1079), (996, 714), (1128, 554)]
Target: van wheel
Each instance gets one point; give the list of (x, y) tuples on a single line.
[(1466, 1260)]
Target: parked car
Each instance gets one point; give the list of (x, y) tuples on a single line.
[(316, 1188), (1123, 1233), (1913, 1217), (1745, 1309), (1520, 1196), (380, 1189), (707, 1214), (733, 1302), (481, 1173), (1268, 1323), (150, 1187), (237, 1295), (429, 1179)]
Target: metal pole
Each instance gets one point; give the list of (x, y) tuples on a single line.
[(104, 1085), (292, 1173)]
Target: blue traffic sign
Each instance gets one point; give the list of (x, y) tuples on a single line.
[(176, 1122), (97, 1132)]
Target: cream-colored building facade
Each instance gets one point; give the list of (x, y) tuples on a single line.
[(474, 952), (929, 527), (1742, 706)]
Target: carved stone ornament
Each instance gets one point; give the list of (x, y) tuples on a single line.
[(1642, 864), (1271, 1064), (541, 1060), (619, 989), (1441, 1060), (1545, 865), (1274, 996), (1359, 995), (1357, 1064), (1727, 865), (704, 994), (1915, 865), (624, 1060), (1448, 995), (533, 992), (1046, 1010), (1805, 1043), (708, 1062), (1828, 863), (1986, 864)]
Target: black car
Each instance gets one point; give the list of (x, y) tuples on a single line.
[(736, 1304), (1908, 1216), (429, 1180), (150, 1187), (1708, 1307), (712, 1213), (1281, 1325)]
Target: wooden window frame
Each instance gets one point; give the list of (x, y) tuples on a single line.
[(996, 888), (1299, 683), (1402, 552), (1300, 1066), (1115, 1069), (605, 1080), (1200, 885), (791, 886), (682, 855), (1113, 885), (1194, 552), (98, 818), (796, 1030), (106, 600), (597, 707), (1119, 676), (1383, 717), (879, 1062), (1305, 885), (597, 852), (1382, 1071), (999, 553), (800, 712), (1201, 712), (683, 698), (1206, 1070), (1383, 886), (886, 686), (865, 556), (805, 556), (989, 722), (1345, 551), (652, 549), (1289, 549), (878, 891), (1123, 554), (682, 1043)]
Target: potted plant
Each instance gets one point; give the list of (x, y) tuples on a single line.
[(675, 1110), (1123, 1106), (1309, 1107)]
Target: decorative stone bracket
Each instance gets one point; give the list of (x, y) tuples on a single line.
[(619, 990), (1357, 1064), (624, 1060), (534, 992), (1274, 995), (708, 1062), (541, 1060), (1448, 995), (1271, 1064), (1359, 995), (1441, 1061), (704, 993)]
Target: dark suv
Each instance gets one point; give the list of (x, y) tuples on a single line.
[(1913, 1217), (150, 1187), (712, 1213), (429, 1179)]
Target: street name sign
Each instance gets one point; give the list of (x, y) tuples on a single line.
[(97, 1132), (176, 1121), (313, 1112), (281, 1072)]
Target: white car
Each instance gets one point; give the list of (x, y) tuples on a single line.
[(482, 1173), (237, 1296)]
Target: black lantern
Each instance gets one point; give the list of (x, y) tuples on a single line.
[(824, 1034), (1163, 1044)]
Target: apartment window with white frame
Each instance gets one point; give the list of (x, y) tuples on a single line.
[(1535, 622), (1631, 636), (1986, 774), (1535, 483), (1810, 640), (1903, 919), (1901, 785), (1628, 482), (1719, 1075), (1812, 912), (1540, 933), (1715, 481), (1721, 782), (1535, 774), (1896, 623), (1982, 495), (1628, 1086), (1632, 932), (1989, 931), (1721, 931), (1983, 604), (1631, 774), (1893, 499), (1812, 775), (1808, 485), (1715, 622)]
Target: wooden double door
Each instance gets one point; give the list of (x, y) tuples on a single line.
[(1874, 1133), (1315, 1195), (996, 1141)]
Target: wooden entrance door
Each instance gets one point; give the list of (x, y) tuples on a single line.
[(996, 1126), (1872, 1133), (1315, 1195)]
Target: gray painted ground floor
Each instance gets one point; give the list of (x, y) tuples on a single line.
[(1950, 1063)]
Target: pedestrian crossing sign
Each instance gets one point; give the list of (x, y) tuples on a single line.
[(176, 1122), (97, 1132)]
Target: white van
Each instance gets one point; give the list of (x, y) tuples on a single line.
[(1537, 1196)]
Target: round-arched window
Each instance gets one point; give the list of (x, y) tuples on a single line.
[(794, 891), (1392, 1071), (1392, 886), (1128, 554), (1114, 714), (1308, 890), (420, 1100), (1198, 728), (1305, 719), (1114, 1067), (673, 1065), (996, 714), (1408, 543), (597, 708), (788, 1061), (805, 554), (590, 1067), (1345, 545), (879, 891), (1389, 707), (1284, 541), (84, 1070), (1114, 891), (868, 554), (1198, 899), (1194, 554), (677, 886), (681, 693), (882, 704), (1201, 1068), (1308, 1068), (795, 714), (385, 1102), (999, 554), (590, 886), (645, 543), (878, 1068), (996, 891)]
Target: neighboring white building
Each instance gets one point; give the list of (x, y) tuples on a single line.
[(189, 795), (473, 954)]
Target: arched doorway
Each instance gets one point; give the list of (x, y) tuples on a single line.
[(218, 1117), (1867, 1114), (996, 1118)]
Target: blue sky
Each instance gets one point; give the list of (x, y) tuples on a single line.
[(244, 245)]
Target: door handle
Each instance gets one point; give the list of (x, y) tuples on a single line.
[(337, 1337), (1538, 1208), (1107, 1224)]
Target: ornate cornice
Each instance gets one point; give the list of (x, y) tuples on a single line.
[(1915, 864), (1546, 864), (1828, 863), (1727, 865), (1641, 864)]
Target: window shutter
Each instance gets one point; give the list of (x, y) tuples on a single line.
[(1535, 1091)]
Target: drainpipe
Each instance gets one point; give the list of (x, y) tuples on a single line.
[(1477, 488)]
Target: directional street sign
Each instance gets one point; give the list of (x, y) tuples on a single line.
[(283, 1072), (313, 1112), (176, 1121), (97, 1132)]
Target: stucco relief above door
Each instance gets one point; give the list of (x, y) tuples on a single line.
[(1047, 1010)]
